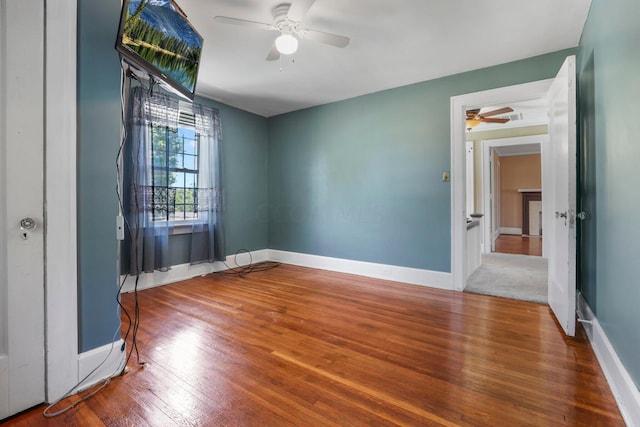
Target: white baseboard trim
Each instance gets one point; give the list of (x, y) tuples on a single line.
[(187, 271), (176, 274), (510, 230), (244, 258), (107, 361), (414, 276), (622, 386)]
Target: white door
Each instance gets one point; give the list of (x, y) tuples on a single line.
[(22, 373), (562, 141)]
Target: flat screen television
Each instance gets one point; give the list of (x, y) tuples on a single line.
[(156, 38)]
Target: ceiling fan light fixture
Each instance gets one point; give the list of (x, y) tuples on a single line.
[(286, 44)]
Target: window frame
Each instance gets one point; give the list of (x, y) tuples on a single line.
[(186, 122)]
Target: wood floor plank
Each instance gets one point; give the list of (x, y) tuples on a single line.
[(519, 244), (295, 346)]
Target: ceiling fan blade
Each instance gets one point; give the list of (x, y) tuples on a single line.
[(244, 23), (273, 54), (299, 9), (326, 38), (490, 120), (496, 112)]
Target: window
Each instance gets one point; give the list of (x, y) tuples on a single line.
[(175, 170), (173, 175)]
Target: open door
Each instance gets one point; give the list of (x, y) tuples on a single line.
[(562, 142), (22, 364)]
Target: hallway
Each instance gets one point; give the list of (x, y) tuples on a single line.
[(519, 244)]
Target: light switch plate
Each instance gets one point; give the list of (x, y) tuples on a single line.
[(445, 176)]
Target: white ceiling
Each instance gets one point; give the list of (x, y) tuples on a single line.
[(393, 43)]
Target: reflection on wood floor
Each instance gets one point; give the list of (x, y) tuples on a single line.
[(519, 244)]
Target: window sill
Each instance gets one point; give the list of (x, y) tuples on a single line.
[(181, 227), (184, 227)]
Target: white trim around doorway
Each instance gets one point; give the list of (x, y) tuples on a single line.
[(61, 313), (459, 104)]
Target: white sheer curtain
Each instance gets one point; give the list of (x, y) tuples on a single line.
[(207, 238), (152, 205), (149, 239)]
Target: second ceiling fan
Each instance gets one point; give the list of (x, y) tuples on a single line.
[(474, 117), (287, 18)]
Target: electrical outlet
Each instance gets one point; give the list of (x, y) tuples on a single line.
[(119, 227), (445, 176)]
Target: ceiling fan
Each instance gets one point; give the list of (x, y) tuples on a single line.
[(474, 117), (286, 20)]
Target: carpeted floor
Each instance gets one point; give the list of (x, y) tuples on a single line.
[(511, 276)]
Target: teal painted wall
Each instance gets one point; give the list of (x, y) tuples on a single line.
[(610, 42), (98, 139), (361, 179), (245, 152), (244, 149)]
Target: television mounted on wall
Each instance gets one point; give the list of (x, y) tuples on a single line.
[(156, 39)]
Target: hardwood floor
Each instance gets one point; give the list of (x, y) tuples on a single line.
[(517, 244), (304, 347)]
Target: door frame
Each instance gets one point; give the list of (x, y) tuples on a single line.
[(459, 105), (61, 273), (487, 145), (4, 387)]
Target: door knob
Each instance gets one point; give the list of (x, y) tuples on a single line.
[(26, 225), (562, 215)]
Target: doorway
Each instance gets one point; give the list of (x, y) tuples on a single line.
[(502, 96), (510, 191), (559, 158)]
